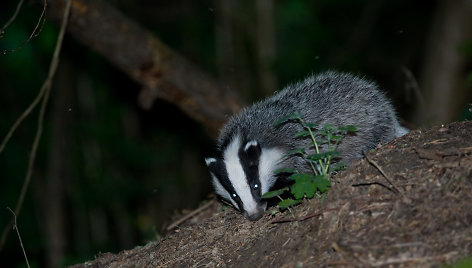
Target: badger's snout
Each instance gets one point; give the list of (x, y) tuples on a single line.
[(257, 213)]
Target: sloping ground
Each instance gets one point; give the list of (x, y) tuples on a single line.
[(418, 214)]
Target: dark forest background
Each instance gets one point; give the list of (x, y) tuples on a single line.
[(109, 174)]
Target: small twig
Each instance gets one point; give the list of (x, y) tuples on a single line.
[(41, 92), (465, 149), (379, 168), (189, 215), (44, 95), (387, 178), (413, 84), (373, 206), (282, 220), (228, 203), (343, 263), (371, 183), (402, 260), (15, 226), (17, 10), (286, 242), (37, 29), (289, 210), (439, 141)]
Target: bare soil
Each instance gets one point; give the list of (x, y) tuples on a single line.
[(418, 213)]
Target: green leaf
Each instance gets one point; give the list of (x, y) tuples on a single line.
[(288, 203), (304, 185), (311, 125), (346, 129), (273, 212), (342, 129), (320, 156), (322, 183), (300, 177), (336, 138), (328, 128), (351, 128), (285, 170), (307, 185), (294, 116), (337, 167), (304, 133), (465, 263), (299, 151), (274, 193), (319, 141)]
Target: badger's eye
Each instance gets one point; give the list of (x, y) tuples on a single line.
[(255, 186), (234, 195)]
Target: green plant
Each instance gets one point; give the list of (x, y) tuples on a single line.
[(464, 263), (306, 185)]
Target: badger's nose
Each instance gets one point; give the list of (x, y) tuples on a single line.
[(257, 213), (255, 216)]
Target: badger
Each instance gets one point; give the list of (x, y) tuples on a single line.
[(250, 148)]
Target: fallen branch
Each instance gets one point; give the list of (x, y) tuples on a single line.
[(161, 71)]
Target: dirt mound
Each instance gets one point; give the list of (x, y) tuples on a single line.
[(409, 203)]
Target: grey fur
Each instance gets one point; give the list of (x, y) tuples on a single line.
[(333, 98)]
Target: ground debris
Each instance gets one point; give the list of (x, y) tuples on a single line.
[(361, 222)]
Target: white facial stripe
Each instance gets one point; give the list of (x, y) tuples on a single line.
[(236, 175), (268, 162), (221, 191)]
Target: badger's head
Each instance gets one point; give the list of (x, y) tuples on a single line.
[(243, 173)]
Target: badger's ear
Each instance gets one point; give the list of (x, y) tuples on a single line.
[(214, 166), (209, 161), (252, 149)]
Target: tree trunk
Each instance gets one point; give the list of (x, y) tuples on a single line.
[(443, 79), (53, 208), (266, 45), (225, 54), (231, 45)]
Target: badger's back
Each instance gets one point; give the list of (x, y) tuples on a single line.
[(328, 98)]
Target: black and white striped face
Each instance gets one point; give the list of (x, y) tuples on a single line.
[(243, 174)]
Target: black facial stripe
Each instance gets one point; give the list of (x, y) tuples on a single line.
[(250, 163), (219, 170)]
